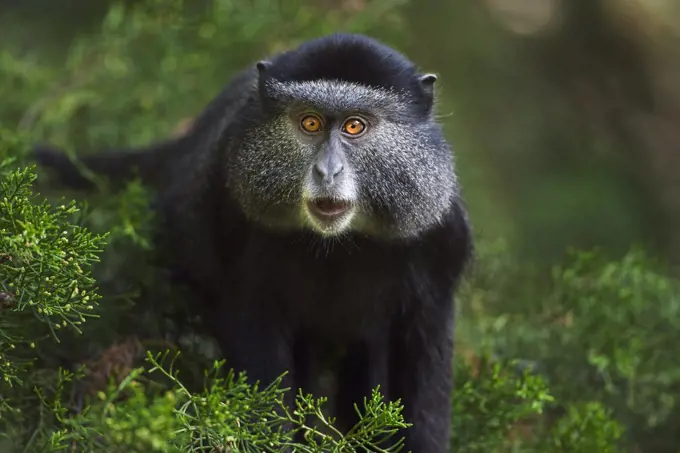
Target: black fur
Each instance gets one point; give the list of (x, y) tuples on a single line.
[(351, 58), (278, 300)]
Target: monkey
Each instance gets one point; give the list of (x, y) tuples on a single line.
[(314, 208)]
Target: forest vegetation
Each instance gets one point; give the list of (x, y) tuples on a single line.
[(563, 117)]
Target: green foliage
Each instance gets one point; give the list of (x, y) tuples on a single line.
[(571, 360), (585, 427), (47, 286), (155, 49), (45, 260), (144, 409), (228, 415), (635, 312), (499, 408), (489, 399), (599, 330)]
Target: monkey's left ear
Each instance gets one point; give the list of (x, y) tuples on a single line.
[(262, 66), (427, 83), (262, 76)]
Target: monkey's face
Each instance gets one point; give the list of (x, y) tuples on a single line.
[(338, 157)]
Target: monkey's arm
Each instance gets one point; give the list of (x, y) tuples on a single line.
[(255, 343), (422, 378)]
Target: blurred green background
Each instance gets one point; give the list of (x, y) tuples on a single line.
[(565, 121), (561, 112)]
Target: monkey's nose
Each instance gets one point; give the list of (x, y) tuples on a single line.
[(328, 169)]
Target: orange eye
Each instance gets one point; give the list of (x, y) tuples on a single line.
[(311, 123), (354, 127)]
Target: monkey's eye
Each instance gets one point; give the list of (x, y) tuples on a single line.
[(311, 123), (354, 127)]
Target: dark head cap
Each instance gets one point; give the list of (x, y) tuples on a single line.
[(351, 58)]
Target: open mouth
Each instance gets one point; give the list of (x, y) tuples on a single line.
[(328, 208)]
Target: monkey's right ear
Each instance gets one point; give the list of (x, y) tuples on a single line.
[(427, 83)]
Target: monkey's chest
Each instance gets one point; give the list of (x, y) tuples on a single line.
[(337, 297)]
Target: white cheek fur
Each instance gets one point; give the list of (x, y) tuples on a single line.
[(346, 190)]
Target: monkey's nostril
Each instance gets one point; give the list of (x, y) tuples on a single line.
[(320, 170), (338, 169)]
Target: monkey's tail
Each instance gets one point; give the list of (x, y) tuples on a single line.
[(116, 166)]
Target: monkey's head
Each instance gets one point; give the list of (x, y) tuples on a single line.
[(342, 139)]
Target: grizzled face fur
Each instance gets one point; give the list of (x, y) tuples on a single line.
[(341, 154)]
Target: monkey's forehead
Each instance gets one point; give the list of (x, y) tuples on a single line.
[(341, 96)]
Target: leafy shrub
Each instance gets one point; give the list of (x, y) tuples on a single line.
[(489, 400), (597, 329), (598, 334)]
